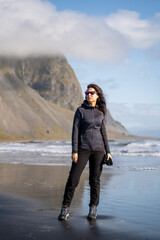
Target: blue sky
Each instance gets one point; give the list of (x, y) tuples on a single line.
[(115, 44), (147, 8)]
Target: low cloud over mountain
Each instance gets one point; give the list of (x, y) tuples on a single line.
[(36, 27)]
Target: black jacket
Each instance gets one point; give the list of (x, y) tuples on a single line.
[(89, 130)]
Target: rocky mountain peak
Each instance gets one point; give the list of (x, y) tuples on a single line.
[(53, 78)]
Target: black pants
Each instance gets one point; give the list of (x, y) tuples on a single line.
[(95, 170)]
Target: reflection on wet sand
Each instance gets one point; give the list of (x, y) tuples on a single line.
[(44, 183)]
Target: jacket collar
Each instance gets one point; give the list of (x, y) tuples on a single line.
[(86, 104)]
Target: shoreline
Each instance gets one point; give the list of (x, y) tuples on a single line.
[(111, 139)]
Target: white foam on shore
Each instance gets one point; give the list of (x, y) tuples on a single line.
[(43, 148), (137, 155), (138, 168), (136, 148), (127, 148)]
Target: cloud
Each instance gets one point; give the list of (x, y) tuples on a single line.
[(138, 33), (36, 27)]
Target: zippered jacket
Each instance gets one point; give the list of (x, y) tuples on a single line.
[(89, 130)]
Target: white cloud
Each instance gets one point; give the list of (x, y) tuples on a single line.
[(36, 27), (139, 34)]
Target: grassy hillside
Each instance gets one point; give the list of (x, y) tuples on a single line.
[(25, 115)]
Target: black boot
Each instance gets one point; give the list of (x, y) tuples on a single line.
[(64, 214), (92, 213)]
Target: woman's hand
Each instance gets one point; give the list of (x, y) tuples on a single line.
[(109, 156), (75, 157)]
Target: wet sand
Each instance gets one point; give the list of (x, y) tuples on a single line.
[(30, 201)]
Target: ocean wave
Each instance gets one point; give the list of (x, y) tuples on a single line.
[(130, 148), (43, 148), (136, 148), (143, 155)]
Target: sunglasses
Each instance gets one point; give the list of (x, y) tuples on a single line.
[(91, 92)]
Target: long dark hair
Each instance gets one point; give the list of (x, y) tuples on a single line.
[(101, 102)]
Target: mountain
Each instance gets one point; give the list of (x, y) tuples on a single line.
[(52, 77), (116, 130), (38, 97)]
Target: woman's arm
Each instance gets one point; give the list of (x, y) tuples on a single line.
[(105, 138), (75, 132)]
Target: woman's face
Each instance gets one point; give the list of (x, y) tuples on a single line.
[(91, 96)]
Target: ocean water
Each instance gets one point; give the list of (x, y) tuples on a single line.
[(140, 155)]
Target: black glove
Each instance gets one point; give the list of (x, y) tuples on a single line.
[(108, 162)]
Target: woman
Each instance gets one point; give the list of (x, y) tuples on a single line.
[(89, 141)]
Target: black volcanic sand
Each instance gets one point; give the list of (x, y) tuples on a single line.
[(31, 196)]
